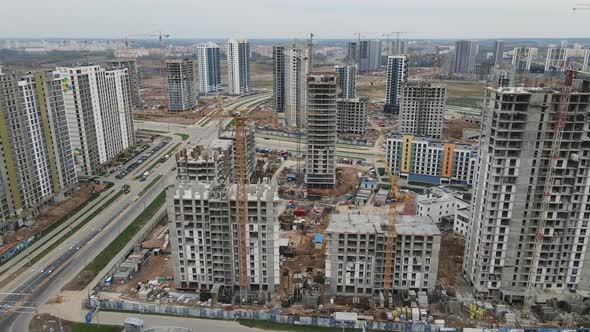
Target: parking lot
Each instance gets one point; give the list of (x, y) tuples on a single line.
[(123, 172)]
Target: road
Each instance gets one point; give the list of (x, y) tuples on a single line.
[(45, 278)]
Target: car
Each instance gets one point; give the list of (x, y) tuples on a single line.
[(142, 179)]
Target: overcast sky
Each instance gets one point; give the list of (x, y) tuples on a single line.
[(293, 18)]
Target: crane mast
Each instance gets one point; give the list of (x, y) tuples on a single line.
[(241, 203), (560, 121)]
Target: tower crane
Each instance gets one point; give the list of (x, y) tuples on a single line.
[(548, 194)]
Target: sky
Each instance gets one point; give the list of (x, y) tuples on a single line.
[(294, 18)]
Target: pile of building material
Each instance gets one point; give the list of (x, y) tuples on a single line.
[(574, 306), (546, 313), (381, 197), (422, 299)]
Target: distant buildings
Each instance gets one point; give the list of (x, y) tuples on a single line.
[(132, 71), (370, 55), (37, 162), (465, 53), (522, 58), (209, 63), (398, 47), (517, 131), (98, 111), (498, 52), (397, 75), (182, 89), (346, 80), (352, 115), (352, 53), (355, 254), (321, 124), (296, 70), (420, 159), (278, 78), (238, 60), (556, 59), (422, 107)]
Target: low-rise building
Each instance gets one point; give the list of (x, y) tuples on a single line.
[(355, 254), (461, 220), (439, 203), (421, 159)]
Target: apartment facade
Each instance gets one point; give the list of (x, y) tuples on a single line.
[(556, 59), (422, 159), (204, 240), (397, 75), (321, 122), (98, 111), (296, 70), (355, 254), (517, 132), (498, 52), (465, 54), (370, 55), (133, 73), (353, 115), (422, 108), (209, 64), (522, 58), (278, 78), (238, 61), (346, 81), (182, 89), (37, 161)]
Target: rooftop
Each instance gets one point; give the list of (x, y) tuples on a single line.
[(374, 224)]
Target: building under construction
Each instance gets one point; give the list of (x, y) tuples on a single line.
[(356, 249), (519, 128), (203, 228)]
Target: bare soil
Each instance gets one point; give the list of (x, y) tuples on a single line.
[(346, 181), (156, 266), (450, 263), (453, 129)]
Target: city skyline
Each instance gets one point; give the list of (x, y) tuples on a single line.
[(259, 19)]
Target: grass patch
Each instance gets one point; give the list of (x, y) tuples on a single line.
[(464, 101), (183, 136), (81, 327), (151, 184), (267, 325), (78, 227), (105, 256), (381, 171)]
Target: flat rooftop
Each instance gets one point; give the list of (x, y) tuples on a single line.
[(375, 224)]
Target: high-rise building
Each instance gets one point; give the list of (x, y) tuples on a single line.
[(422, 107), (132, 71), (37, 162), (346, 80), (556, 60), (182, 89), (238, 62), (209, 63), (203, 237), (398, 47), (278, 78), (465, 53), (427, 160), (370, 55), (355, 254), (516, 140), (321, 124), (296, 70), (98, 110), (397, 73), (586, 62), (352, 115), (522, 58), (498, 52), (352, 53)]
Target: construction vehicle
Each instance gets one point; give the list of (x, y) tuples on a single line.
[(548, 194)]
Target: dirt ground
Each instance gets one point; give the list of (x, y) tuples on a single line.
[(156, 266), (53, 214), (347, 180), (46, 323), (451, 259), (453, 129)]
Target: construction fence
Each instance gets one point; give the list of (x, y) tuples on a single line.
[(273, 316)]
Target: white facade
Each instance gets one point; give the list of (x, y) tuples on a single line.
[(397, 73), (98, 109), (556, 59), (238, 61), (296, 70), (208, 61), (346, 81), (438, 203), (461, 221), (522, 58)]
